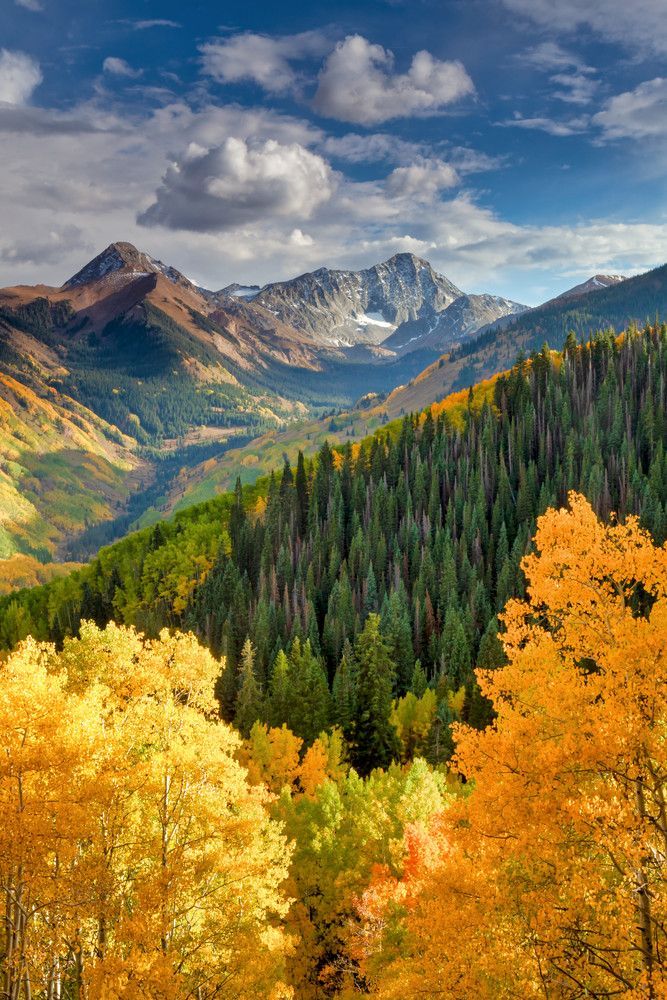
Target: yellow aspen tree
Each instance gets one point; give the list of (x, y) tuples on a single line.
[(48, 745), (550, 875), (138, 862)]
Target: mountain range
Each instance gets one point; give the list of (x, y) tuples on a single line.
[(131, 388)]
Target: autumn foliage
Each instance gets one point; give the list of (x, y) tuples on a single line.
[(549, 874), (148, 851), (136, 860)]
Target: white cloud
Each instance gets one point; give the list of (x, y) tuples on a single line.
[(576, 88), (209, 190), (42, 248), (421, 181), (298, 238), (574, 126), (375, 147), (158, 22), (19, 76), (641, 25), (119, 67), (549, 56), (358, 84), (574, 82), (45, 186), (637, 114), (263, 59), (211, 125), (33, 5)]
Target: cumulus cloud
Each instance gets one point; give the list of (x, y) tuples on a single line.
[(636, 114), (46, 186), (19, 76), (262, 59), (358, 84), (119, 67), (421, 181), (33, 5), (641, 25), (236, 183)]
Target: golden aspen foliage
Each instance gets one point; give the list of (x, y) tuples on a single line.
[(549, 878), (271, 756), (324, 760), (136, 860)]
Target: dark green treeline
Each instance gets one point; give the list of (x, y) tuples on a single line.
[(427, 530)]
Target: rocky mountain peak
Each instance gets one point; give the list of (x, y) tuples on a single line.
[(404, 259), (124, 257)]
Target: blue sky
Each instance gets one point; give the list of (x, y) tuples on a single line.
[(519, 145)]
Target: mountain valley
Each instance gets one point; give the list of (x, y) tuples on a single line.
[(159, 392)]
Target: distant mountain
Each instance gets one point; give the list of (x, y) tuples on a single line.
[(593, 284), (124, 258), (403, 304), (266, 355), (602, 301), (161, 376), (494, 348), (458, 322)]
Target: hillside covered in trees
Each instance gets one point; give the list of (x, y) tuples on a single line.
[(377, 571), (150, 851), (364, 786)]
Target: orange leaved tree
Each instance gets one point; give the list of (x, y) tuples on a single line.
[(549, 878)]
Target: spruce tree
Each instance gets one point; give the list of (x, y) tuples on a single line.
[(250, 703), (309, 708), (344, 693), (376, 743), (419, 683), (279, 691)]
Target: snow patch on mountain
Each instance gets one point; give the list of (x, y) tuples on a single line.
[(374, 319)]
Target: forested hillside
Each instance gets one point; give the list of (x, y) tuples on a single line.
[(351, 598), (640, 299), (424, 526)]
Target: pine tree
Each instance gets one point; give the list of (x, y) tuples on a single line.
[(440, 740), (250, 703), (344, 693), (419, 682), (309, 710), (301, 487), (376, 744), (279, 691)]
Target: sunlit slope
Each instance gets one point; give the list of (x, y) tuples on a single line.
[(61, 467)]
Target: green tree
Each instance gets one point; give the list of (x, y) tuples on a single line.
[(376, 743), (249, 703)]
